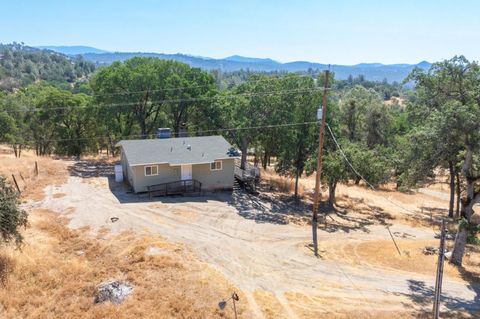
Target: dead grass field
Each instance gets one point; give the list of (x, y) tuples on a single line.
[(51, 172), (261, 249), (55, 273)]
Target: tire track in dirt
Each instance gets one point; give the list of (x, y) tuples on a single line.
[(286, 306)]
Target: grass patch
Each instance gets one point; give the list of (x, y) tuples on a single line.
[(57, 271)]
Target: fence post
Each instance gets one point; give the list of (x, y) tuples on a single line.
[(16, 184), (36, 168)]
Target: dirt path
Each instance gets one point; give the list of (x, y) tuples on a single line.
[(268, 257)]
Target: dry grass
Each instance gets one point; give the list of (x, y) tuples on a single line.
[(50, 172), (308, 306), (57, 270), (7, 265), (56, 273), (282, 184), (383, 254), (269, 304)]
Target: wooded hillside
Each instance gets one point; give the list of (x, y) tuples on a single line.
[(21, 65)]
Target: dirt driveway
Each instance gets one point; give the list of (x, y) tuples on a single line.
[(269, 258)]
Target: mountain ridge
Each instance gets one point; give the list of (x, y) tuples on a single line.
[(371, 71)]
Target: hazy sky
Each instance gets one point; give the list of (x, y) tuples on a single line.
[(336, 32)]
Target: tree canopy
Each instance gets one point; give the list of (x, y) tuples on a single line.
[(12, 218)]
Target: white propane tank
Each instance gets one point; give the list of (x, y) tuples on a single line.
[(118, 173)]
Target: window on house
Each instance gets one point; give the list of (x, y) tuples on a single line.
[(216, 166), (151, 170)]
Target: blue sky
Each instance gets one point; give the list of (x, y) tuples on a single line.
[(336, 32)]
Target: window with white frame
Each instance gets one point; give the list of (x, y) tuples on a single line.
[(216, 166), (151, 170)]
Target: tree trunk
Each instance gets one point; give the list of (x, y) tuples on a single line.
[(467, 209), (15, 150), (244, 149), (264, 160), (452, 189), (296, 183), (459, 248), (143, 128), (19, 150), (332, 187), (459, 194)]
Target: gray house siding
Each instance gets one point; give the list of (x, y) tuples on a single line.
[(166, 174), (212, 180), (127, 170)]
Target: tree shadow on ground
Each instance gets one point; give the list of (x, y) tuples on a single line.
[(421, 296), (268, 208), (432, 215), (354, 214), (272, 207)]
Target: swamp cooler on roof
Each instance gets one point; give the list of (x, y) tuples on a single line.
[(164, 132)]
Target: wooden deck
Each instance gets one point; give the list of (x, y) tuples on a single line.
[(188, 186), (248, 177)]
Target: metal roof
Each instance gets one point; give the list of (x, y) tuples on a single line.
[(175, 151)]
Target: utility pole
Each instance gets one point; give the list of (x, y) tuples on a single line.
[(438, 281), (316, 201)]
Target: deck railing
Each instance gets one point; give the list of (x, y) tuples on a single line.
[(186, 186), (250, 173)]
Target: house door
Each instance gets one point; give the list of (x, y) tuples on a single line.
[(186, 172)]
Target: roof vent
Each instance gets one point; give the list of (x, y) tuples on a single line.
[(189, 147)]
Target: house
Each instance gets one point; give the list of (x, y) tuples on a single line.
[(178, 164)]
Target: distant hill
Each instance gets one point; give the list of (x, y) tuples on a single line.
[(21, 65), (72, 50), (371, 71)]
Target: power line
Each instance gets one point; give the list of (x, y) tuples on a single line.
[(197, 86), (360, 175), (196, 133), (205, 98)]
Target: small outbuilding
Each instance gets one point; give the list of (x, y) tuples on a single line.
[(178, 165)]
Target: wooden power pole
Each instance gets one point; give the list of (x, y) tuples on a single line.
[(316, 201), (438, 281)]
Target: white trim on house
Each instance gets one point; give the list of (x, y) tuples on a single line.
[(148, 164), (151, 170), (216, 167)]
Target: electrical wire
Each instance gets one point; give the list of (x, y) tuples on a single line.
[(360, 175), (197, 86), (26, 109), (196, 133)]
